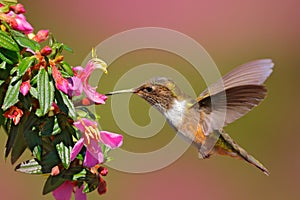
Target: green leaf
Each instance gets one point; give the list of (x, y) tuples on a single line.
[(47, 127), (52, 183), (33, 92), (11, 96), (80, 176), (32, 139), (25, 64), (91, 182), (27, 43), (49, 160), (45, 92), (37, 152), (64, 153), (67, 48), (3, 65), (1, 82), (67, 68), (29, 167), (11, 1), (3, 57), (56, 128), (11, 139), (19, 145), (7, 42), (70, 106)]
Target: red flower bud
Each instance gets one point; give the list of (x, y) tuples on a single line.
[(18, 9), (46, 51), (41, 36), (102, 187)]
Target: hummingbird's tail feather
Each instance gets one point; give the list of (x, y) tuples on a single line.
[(226, 146)]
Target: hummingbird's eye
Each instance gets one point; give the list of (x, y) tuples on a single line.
[(148, 89)]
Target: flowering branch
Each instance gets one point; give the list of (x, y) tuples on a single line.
[(42, 99)]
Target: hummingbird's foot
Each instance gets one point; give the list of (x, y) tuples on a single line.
[(203, 155)]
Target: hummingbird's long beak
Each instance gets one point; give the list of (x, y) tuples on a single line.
[(132, 90)]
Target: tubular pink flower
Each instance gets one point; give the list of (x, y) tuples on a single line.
[(91, 138), (64, 192), (18, 22), (25, 87), (60, 83), (80, 82)]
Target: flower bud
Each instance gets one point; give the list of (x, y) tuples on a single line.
[(41, 36), (46, 51), (18, 9)]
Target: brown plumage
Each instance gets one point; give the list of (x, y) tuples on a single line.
[(201, 121)]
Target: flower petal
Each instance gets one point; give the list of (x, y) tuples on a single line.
[(76, 149), (79, 194), (63, 192), (112, 140), (83, 123), (25, 87), (93, 95), (76, 86), (92, 159)]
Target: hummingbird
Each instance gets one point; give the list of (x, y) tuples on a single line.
[(198, 120)]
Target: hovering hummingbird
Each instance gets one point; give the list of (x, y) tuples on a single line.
[(198, 120)]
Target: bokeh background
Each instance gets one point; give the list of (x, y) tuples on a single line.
[(233, 32)]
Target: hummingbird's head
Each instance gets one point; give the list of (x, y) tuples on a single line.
[(159, 92)]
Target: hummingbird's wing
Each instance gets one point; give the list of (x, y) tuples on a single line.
[(234, 95)]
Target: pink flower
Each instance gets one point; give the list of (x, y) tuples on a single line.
[(91, 137), (80, 82), (60, 83), (41, 36), (25, 87), (64, 192), (18, 22), (14, 113)]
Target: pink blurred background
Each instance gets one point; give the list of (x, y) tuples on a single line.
[(233, 32)]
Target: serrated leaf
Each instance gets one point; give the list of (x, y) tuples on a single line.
[(7, 42), (12, 93), (52, 183), (45, 92), (25, 64), (64, 153), (29, 167), (27, 43)]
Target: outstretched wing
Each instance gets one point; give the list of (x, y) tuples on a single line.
[(234, 95)]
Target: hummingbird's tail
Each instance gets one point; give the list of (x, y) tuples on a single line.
[(226, 146)]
